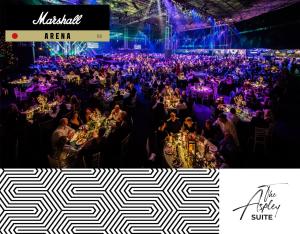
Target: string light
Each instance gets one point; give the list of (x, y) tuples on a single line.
[(6, 50)]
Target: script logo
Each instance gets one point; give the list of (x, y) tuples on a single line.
[(68, 21), (263, 204)]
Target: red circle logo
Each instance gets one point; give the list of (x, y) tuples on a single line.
[(14, 35)]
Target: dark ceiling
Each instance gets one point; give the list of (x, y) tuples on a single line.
[(235, 10)]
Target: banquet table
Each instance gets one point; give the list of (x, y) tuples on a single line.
[(109, 96), (201, 90), (43, 88), (245, 114), (182, 152), (47, 108), (21, 81), (85, 132), (72, 78), (257, 85), (100, 80), (200, 74)]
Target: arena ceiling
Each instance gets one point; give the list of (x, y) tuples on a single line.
[(234, 10)]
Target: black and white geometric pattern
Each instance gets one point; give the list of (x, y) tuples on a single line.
[(110, 201)]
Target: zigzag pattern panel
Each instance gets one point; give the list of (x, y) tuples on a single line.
[(110, 201)]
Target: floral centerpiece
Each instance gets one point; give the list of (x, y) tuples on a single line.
[(239, 102), (92, 124), (260, 81), (42, 100)]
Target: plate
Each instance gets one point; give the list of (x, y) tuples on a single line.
[(213, 148), (74, 138)]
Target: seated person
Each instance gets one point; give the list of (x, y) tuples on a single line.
[(184, 96), (88, 114), (131, 89), (232, 116), (116, 87), (227, 126), (181, 105), (75, 121), (54, 112), (155, 145), (173, 124), (115, 113), (122, 127), (161, 132), (95, 75), (96, 145), (60, 98), (209, 131), (65, 154), (177, 93), (189, 125), (75, 103), (62, 112), (228, 148), (62, 130), (258, 121), (168, 91), (268, 117)]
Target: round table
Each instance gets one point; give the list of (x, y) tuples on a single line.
[(245, 114), (181, 152), (201, 91)]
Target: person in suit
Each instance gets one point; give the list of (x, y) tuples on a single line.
[(232, 116), (173, 123), (189, 125), (155, 145), (65, 154), (258, 120), (227, 126), (159, 112), (62, 130), (122, 126), (98, 144), (209, 131)]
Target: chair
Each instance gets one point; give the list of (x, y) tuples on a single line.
[(53, 163), (148, 147), (124, 145), (96, 160), (260, 138), (131, 121), (46, 129), (84, 162), (125, 140)]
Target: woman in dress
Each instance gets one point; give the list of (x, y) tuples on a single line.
[(75, 121)]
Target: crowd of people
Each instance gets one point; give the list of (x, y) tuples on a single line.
[(113, 86)]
